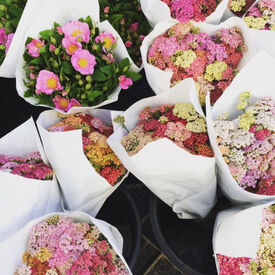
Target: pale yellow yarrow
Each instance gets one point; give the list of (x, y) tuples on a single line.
[(255, 22), (184, 58), (214, 71), (246, 120), (237, 5)]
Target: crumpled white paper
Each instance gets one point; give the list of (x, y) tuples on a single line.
[(159, 80), (23, 199), (156, 11), (263, 39), (62, 11), (185, 182), (237, 232), (83, 188), (12, 249), (33, 18), (258, 78)]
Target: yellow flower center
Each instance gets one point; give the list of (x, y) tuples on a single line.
[(38, 45), (63, 103), (76, 33), (52, 83), (108, 42), (82, 62), (72, 48)]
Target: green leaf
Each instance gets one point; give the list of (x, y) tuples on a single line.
[(28, 93), (134, 76), (108, 69), (36, 61), (123, 63), (89, 21), (67, 67), (46, 34), (93, 94), (15, 10), (99, 76)]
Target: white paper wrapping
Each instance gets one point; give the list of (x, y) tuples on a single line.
[(237, 232), (23, 199), (13, 248), (258, 78), (263, 39), (83, 188), (185, 182), (159, 80), (62, 11), (156, 11)]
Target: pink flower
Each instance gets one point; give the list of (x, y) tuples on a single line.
[(141, 37), (52, 47), (59, 29), (108, 58), (83, 61), (3, 36), (134, 26), (107, 38), (71, 45), (77, 30), (32, 76), (64, 104), (106, 9), (122, 21), (34, 46), (47, 82), (128, 44), (9, 40), (125, 82)]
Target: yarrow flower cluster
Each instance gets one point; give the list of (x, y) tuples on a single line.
[(31, 166), (212, 61), (180, 123), (196, 10), (264, 262), (59, 245), (10, 14), (240, 7), (74, 65), (129, 21), (261, 16), (96, 149), (247, 144)]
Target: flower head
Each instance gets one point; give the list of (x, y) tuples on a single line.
[(71, 45), (107, 38), (9, 40), (76, 30), (83, 61), (34, 46), (134, 26), (3, 36), (64, 104), (47, 82), (125, 82)]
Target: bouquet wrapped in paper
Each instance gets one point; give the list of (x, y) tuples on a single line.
[(129, 21), (260, 18), (28, 185), (68, 60), (184, 10), (64, 243), (244, 240), (210, 54), (163, 141), (241, 129), (238, 7), (86, 167)]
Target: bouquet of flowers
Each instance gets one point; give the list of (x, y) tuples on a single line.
[(243, 241), (10, 13), (261, 16), (74, 65), (90, 164), (211, 55), (239, 7), (25, 179), (184, 10), (167, 149), (247, 144), (243, 139), (129, 21), (59, 243)]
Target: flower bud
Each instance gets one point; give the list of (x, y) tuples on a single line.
[(53, 40), (88, 78), (56, 51), (80, 82), (78, 76), (88, 86), (3, 8)]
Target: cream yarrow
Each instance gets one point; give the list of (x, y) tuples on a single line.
[(184, 58), (214, 71)]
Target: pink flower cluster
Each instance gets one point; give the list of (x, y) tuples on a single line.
[(264, 262), (247, 144), (186, 10), (5, 39), (31, 166), (212, 61), (261, 16), (59, 245)]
